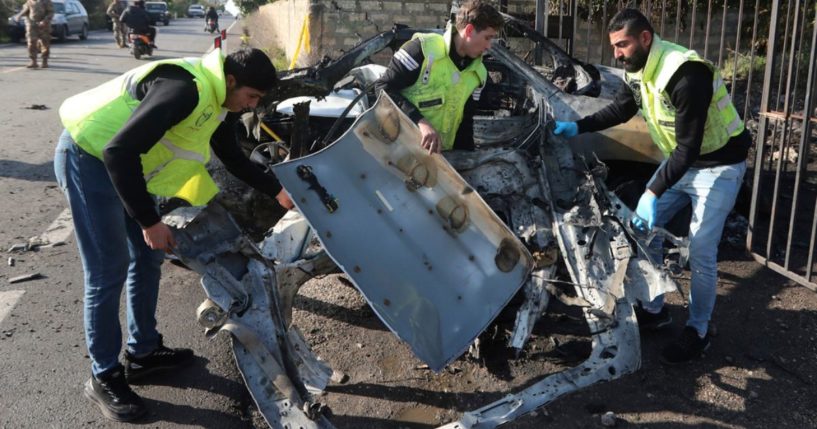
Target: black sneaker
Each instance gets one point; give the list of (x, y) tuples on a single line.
[(652, 321), (161, 358), (114, 397), (687, 347)]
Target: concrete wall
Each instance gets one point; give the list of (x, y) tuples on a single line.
[(344, 23), (277, 27)]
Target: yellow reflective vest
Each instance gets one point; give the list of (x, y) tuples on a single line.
[(649, 89), (174, 166), (442, 89)]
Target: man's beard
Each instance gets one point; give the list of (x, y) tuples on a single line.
[(637, 61)]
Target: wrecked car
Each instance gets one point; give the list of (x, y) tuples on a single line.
[(419, 234)]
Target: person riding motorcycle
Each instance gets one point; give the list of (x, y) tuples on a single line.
[(211, 15), (138, 20)]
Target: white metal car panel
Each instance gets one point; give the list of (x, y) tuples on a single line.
[(432, 259)]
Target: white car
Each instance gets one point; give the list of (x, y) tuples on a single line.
[(195, 11)]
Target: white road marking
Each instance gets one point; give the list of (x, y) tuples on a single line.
[(13, 69), (7, 301), (59, 230)]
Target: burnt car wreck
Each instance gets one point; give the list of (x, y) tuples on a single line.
[(438, 245)]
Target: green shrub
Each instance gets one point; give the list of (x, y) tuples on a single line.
[(744, 64)]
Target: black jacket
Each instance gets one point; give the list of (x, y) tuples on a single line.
[(137, 19)]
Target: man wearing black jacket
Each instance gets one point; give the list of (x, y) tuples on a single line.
[(437, 80), (138, 20), (143, 135), (691, 118)]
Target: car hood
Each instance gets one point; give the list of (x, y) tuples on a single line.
[(435, 263)]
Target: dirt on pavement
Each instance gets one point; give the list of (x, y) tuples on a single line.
[(760, 371)]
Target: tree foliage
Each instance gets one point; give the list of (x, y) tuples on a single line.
[(681, 10), (249, 6)]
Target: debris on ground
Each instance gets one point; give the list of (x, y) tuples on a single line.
[(25, 277), (17, 246), (608, 419), (339, 377)]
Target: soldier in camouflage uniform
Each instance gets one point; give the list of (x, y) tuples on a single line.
[(38, 14), (115, 10)]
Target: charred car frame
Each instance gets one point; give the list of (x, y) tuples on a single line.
[(507, 216)]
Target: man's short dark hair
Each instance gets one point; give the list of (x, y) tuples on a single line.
[(251, 67), (480, 14), (632, 20)]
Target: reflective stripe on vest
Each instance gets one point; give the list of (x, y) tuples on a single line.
[(178, 153), (175, 166), (442, 89), (723, 121)]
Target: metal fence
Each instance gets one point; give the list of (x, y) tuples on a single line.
[(783, 216), (766, 51)]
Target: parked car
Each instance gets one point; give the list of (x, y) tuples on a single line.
[(70, 18), (195, 11), (158, 12)]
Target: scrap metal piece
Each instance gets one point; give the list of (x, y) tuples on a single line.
[(444, 260), (277, 366), (211, 316), (616, 352), (25, 278)]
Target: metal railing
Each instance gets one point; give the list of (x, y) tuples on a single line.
[(783, 214)]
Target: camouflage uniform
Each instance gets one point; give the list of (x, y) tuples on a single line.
[(38, 14), (115, 10)]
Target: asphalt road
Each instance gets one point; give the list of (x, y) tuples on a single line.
[(43, 359)]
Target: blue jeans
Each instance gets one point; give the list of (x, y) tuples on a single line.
[(113, 253), (712, 193)]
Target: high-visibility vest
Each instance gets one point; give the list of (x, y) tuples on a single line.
[(175, 165), (442, 89), (649, 88)]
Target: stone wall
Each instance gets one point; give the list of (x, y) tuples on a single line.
[(344, 23), (337, 25), (277, 26)]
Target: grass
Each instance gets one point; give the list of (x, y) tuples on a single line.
[(744, 64), (279, 59)]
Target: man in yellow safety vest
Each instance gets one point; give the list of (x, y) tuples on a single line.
[(147, 134), (437, 79), (690, 117)]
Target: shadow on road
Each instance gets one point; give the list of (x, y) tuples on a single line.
[(43, 172)]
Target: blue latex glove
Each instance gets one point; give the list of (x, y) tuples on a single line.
[(644, 218), (566, 129)]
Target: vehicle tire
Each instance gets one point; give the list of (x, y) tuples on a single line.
[(63, 34), (16, 39), (83, 35), (167, 22), (137, 53)]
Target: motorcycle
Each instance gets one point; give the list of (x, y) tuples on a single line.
[(211, 26), (140, 45)]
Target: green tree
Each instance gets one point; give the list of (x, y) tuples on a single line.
[(249, 6)]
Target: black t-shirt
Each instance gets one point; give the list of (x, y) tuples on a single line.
[(690, 90), (168, 95), (404, 70)]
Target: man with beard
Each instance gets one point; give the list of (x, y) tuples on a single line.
[(691, 118)]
